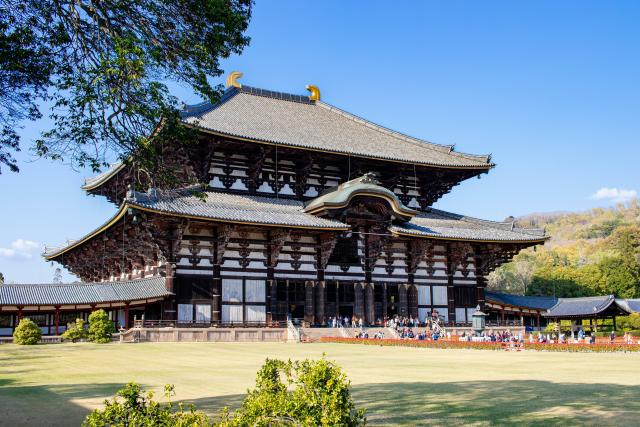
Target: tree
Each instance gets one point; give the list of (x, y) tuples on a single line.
[(102, 66), (75, 331), (301, 393), (133, 407), (100, 327), (27, 332), (57, 276)]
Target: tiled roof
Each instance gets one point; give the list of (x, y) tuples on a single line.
[(97, 180), (294, 121), (83, 293), (233, 207), (534, 302), (446, 225), (584, 306), (216, 206), (631, 305)]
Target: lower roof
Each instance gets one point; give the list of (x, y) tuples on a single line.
[(439, 224), (83, 293), (279, 212)]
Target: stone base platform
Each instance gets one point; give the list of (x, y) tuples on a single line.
[(204, 335)]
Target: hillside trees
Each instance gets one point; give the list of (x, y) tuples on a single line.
[(592, 253)]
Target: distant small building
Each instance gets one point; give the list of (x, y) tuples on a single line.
[(517, 310)]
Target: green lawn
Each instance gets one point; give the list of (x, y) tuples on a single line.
[(58, 384)]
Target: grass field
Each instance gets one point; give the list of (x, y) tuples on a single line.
[(59, 384)]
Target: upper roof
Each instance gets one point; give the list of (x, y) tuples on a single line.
[(439, 224), (83, 293), (295, 121), (523, 301), (585, 306)]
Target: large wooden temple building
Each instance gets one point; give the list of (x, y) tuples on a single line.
[(288, 207)]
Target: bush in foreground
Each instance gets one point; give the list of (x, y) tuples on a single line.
[(134, 408), (27, 332), (75, 331), (301, 393), (100, 327), (304, 393)]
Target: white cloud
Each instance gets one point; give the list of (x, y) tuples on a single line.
[(20, 249), (617, 195)]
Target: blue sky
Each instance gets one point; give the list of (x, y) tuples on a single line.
[(549, 88)]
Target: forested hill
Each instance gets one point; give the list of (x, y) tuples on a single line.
[(590, 253)]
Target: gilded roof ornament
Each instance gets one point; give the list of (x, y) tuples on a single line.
[(232, 79), (315, 93)]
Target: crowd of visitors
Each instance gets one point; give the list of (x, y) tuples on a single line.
[(407, 328)]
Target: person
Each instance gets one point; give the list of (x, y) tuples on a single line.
[(580, 334), (612, 337), (531, 338)]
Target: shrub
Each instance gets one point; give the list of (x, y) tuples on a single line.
[(75, 331), (100, 327), (27, 332), (301, 393), (133, 407)]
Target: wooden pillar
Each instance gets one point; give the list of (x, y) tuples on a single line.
[(451, 303), (358, 306), (481, 280), (502, 316), (126, 316), (370, 312), (338, 299), (216, 301), (273, 287), (321, 297), (403, 309), (309, 309), (57, 320), (538, 319), (384, 301), (412, 298), (614, 323)]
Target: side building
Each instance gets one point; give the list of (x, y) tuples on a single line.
[(303, 211)]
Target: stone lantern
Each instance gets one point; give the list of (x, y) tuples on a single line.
[(478, 321)]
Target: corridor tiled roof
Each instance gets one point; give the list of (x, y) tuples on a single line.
[(447, 225), (83, 293), (295, 121), (584, 306), (523, 301), (631, 305)]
